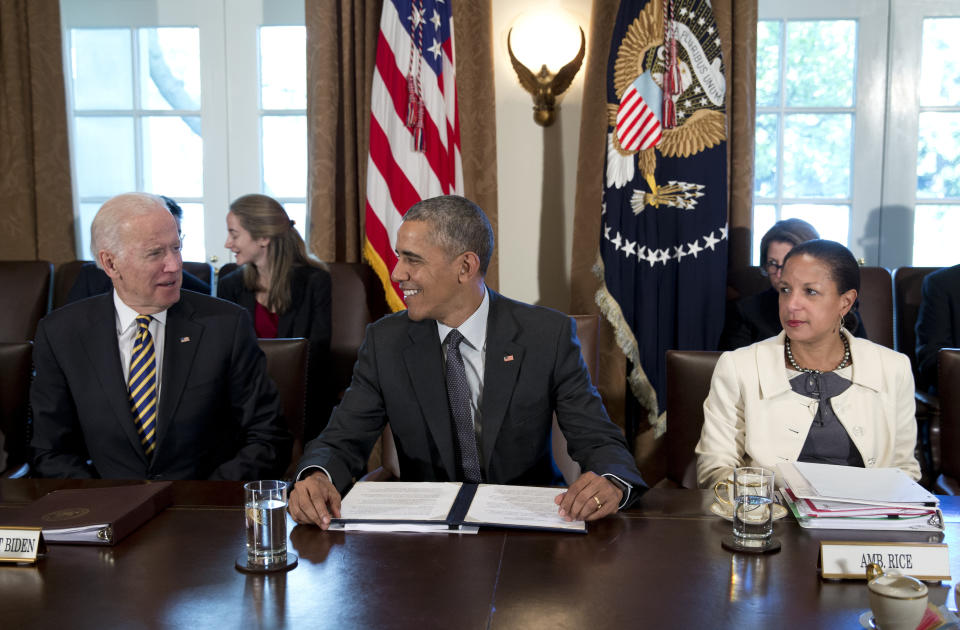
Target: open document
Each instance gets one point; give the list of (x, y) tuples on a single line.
[(824, 496), (453, 504)]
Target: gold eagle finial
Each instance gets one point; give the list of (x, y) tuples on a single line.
[(546, 86)]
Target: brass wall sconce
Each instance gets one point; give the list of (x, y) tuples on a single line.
[(546, 86)]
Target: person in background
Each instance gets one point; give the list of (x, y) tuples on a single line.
[(286, 292), (813, 393), (938, 322), (148, 381), (754, 318), (93, 281)]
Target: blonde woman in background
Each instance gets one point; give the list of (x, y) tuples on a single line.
[(286, 292)]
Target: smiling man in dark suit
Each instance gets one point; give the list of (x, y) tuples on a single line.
[(148, 382), (469, 382)]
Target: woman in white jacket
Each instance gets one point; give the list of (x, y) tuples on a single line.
[(813, 393)]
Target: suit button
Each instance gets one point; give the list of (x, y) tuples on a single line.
[(871, 461), (858, 431)]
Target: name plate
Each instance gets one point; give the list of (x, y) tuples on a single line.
[(20, 544), (849, 560)]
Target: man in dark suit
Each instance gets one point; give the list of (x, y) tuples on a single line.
[(469, 381), (93, 281), (146, 382), (938, 322)]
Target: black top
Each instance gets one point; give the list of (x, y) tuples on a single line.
[(757, 317), (827, 442)]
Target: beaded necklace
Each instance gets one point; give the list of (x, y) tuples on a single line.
[(843, 363)]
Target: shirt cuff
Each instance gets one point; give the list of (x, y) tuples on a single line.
[(620, 483), (309, 470)]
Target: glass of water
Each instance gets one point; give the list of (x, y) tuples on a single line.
[(753, 505), (265, 513)]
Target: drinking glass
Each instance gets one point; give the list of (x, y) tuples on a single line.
[(753, 505), (265, 507)]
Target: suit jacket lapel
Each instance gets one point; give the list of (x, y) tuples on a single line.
[(425, 369), (502, 366), (181, 340), (103, 351)]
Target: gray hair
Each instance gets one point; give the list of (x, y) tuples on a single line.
[(107, 229), (459, 225)]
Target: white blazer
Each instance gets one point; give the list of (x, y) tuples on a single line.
[(753, 418)]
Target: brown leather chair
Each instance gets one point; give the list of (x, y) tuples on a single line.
[(357, 299), (287, 366), (948, 373), (25, 297), (16, 367), (907, 295), (745, 281), (202, 270), (63, 278), (876, 304), (688, 383), (226, 270)]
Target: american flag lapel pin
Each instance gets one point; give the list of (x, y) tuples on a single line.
[(507, 358), (184, 339)]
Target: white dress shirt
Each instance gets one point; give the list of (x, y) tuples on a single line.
[(126, 321)]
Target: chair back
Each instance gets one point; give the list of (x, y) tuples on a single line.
[(356, 300), (16, 367), (25, 298), (202, 270), (688, 383), (876, 304), (907, 295), (746, 281), (63, 278), (287, 367)]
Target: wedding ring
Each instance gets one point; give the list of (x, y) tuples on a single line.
[(599, 505)]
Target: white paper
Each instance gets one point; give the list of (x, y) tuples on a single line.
[(399, 501), (524, 506), (873, 485), (403, 527)]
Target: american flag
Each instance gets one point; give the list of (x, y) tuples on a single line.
[(414, 125)]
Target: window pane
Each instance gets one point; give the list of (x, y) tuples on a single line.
[(935, 229), (192, 229), (172, 156), (764, 217), (765, 172), (938, 155), (284, 156), (298, 214), (170, 68), (105, 162), (820, 63), (87, 212), (283, 67), (832, 222), (940, 72), (768, 63), (817, 155), (101, 68)]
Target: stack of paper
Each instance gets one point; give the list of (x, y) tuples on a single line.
[(824, 496)]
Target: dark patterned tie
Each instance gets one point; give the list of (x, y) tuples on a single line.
[(143, 384), (458, 393)]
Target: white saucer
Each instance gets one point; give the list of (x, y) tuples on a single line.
[(726, 512), (866, 620)]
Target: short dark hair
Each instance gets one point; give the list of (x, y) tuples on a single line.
[(793, 231), (841, 264), (459, 225), (173, 207)]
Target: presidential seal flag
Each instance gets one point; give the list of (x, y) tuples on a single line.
[(414, 125), (663, 247)]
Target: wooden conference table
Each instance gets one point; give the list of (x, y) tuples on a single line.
[(658, 566)]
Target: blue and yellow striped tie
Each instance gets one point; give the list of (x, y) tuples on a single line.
[(143, 384)]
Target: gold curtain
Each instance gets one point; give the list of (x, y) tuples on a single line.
[(35, 192), (341, 53), (737, 23)]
